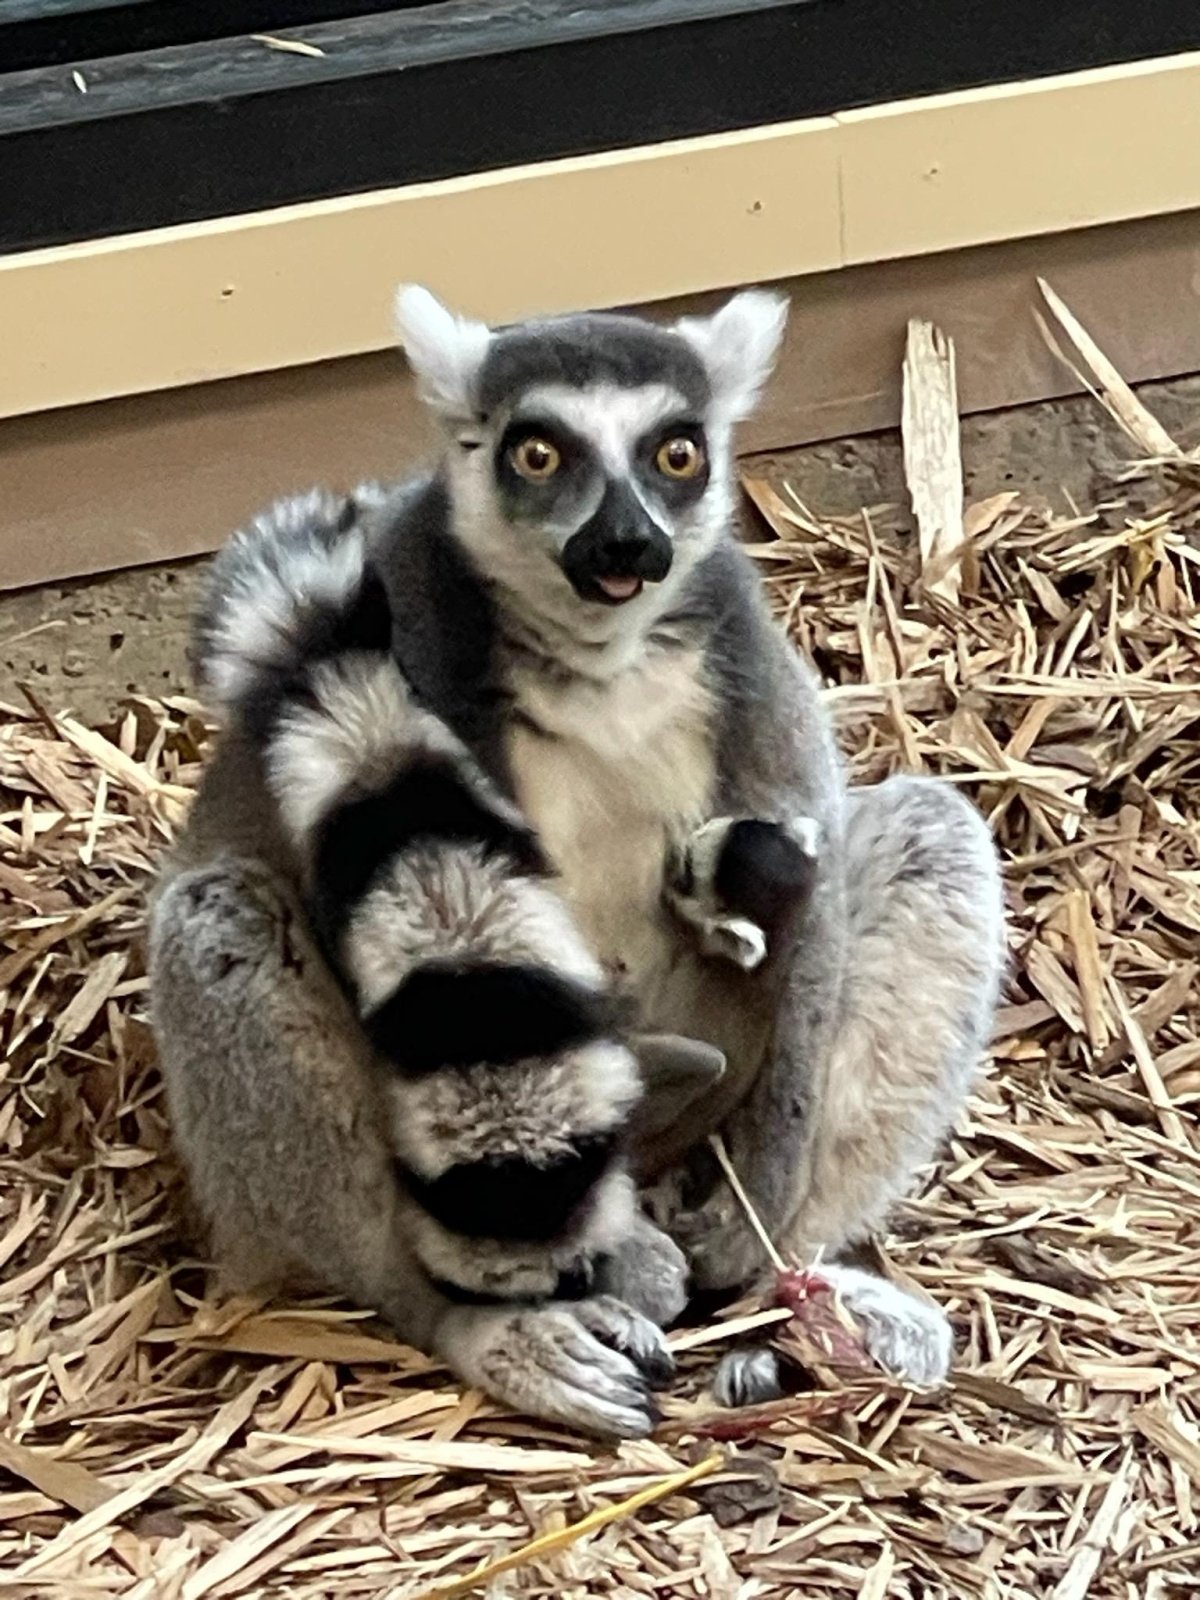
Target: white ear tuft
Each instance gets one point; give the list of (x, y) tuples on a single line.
[(444, 350), (738, 345)]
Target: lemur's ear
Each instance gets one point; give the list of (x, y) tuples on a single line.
[(444, 350), (738, 344), (675, 1072)]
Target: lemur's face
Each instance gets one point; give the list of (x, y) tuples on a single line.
[(609, 482), (591, 461)]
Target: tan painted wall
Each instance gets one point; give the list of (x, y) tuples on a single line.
[(307, 283), (156, 476)]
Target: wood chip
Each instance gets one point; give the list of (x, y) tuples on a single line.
[(64, 1481), (1076, 1582), (932, 455), (291, 47), (1108, 385)]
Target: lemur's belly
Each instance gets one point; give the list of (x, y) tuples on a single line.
[(608, 777), (609, 842)]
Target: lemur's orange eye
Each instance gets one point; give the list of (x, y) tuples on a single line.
[(536, 459), (679, 458)]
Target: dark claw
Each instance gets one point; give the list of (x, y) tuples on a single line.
[(659, 1369), (636, 1397), (654, 1368)]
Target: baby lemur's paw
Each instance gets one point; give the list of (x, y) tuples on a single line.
[(740, 881), (590, 1363)]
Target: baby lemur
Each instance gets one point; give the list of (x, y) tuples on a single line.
[(568, 599)]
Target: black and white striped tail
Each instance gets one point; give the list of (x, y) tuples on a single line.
[(378, 797)]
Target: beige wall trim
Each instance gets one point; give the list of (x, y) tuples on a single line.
[(251, 294), (155, 477)]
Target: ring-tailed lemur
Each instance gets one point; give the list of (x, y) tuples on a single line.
[(507, 1085), (574, 604)]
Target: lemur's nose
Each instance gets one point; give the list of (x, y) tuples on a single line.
[(633, 554), (618, 549)]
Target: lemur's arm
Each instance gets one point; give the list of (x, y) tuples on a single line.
[(777, 764)]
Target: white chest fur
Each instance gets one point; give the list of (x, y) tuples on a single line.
[(608, 774)]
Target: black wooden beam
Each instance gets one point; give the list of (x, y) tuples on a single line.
[(224, 125), (42, 33)]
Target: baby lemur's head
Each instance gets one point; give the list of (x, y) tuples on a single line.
[(591, 462)]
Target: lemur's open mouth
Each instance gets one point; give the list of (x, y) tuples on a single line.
[(620, 589)]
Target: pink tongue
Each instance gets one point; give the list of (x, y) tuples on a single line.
[(620, 588)]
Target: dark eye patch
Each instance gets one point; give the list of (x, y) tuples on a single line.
[(531, 501), (570, 448), (674, 491)]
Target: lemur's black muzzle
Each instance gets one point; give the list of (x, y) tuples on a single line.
[(617, 550)]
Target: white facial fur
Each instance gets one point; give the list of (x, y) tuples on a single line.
[(523, 561), (540, 606), (613, 421)]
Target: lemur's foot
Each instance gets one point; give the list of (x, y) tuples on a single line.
[(909, 1338)]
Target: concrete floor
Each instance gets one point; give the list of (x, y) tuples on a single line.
[(84, 645)]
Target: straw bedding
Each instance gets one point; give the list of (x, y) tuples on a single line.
[(155, 1442)]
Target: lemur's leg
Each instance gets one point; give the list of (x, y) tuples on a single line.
[(924, 957), (648, 1271), (742, 883), (274, 1108)]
